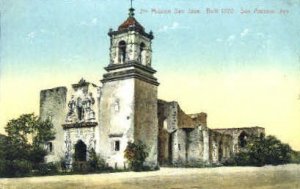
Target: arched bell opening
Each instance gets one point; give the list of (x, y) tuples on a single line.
[(122, 51)]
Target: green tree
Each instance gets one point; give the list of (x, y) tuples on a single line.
[(296, 157), (136, 153), (263, 150), (96, 163), (24, 147)]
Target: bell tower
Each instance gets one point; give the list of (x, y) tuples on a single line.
[(130, 43), (128, 102)]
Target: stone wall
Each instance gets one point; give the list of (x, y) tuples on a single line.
[(145, 118), (236, 132), (181, 136), (53, 106), (116, 120), (220, 146), (167, 136)]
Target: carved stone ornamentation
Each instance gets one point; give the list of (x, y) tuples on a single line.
[(81, 109), (71, 115)]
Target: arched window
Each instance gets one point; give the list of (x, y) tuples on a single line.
[(122, 51), (142, 55), (220, 151), (80, 151), (243, 139)]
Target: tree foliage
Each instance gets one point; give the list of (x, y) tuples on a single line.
[(136, 153), (23, 149), (296, 157), (95, 162), (263, 150)]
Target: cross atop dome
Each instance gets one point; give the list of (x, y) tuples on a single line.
[(131, 10), (131, 22)]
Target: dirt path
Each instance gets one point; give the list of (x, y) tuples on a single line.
[(283, 177)]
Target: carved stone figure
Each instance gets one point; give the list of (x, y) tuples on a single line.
[(87, 103), (71, 113), (80, 109)]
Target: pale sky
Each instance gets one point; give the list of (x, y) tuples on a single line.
[(241, 69)]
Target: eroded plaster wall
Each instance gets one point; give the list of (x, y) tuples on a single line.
[(116, 120), (236, 132), (145, 118), (53, 106), (187, 135)]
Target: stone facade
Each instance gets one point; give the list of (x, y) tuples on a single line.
[(125, 108), (81, 120)]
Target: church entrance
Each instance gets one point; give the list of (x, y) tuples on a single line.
[(80, 151)]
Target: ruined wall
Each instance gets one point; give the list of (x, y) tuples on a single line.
[(194, 145), (116, 120), (186, 133), (145, 118), (167, 136), (227, 147), (236, 132), (206, 145), (179, 153), (53, 106), (220, 146)]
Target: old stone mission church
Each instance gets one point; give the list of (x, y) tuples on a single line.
[(125, 108)]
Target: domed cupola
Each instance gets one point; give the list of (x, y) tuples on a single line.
[(131, 23)]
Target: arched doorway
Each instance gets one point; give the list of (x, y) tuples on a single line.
[(80, 151), (243, 139)]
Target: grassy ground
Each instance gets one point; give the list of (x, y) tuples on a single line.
[(278, 177)]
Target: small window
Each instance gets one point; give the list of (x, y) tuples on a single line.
[(117, 145), (179, 148), (116, 106), (49, 147)]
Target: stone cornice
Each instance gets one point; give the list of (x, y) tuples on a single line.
[(115, 135), (79, 125), (150, 35), (127, 74), (128, 64), (238, 128)]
